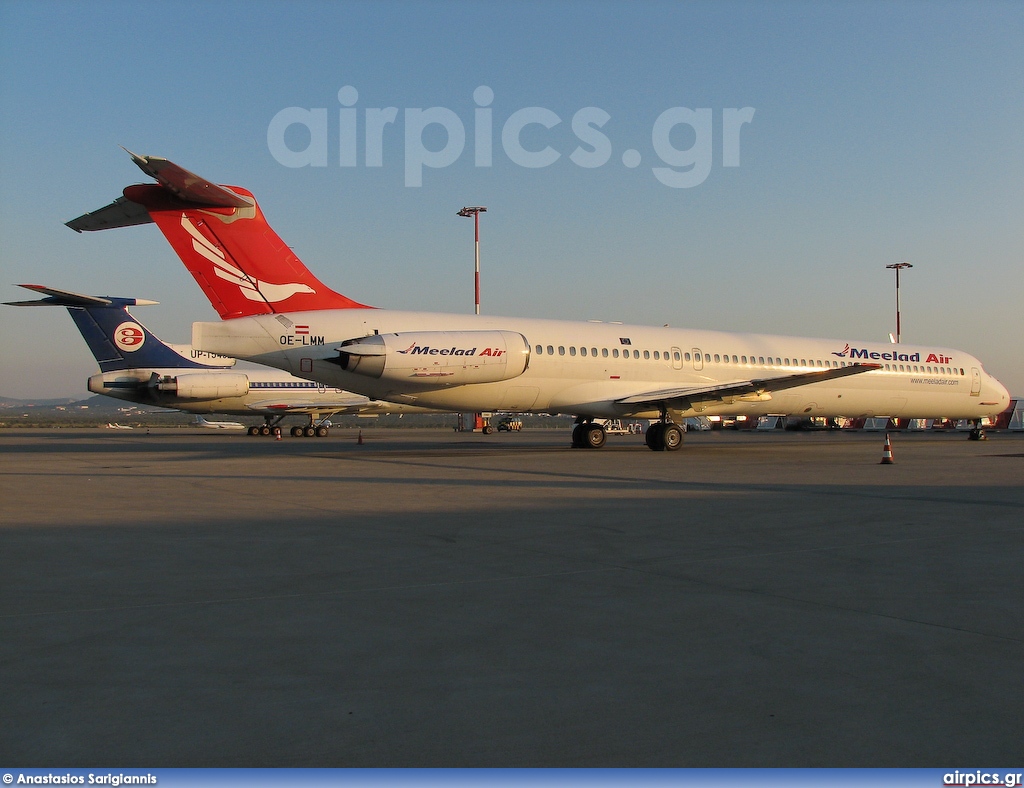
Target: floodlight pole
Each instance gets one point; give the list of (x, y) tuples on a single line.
[(898, 267), (475, 212)]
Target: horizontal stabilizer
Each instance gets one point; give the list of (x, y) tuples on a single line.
[(122, 212), (688, 397), (187, 185), (66, 298)]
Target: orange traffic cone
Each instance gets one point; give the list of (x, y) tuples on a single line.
[(277, 433), (887, 452), (359, 440)]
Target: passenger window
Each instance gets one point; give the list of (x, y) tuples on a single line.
[(735, 360), (540, 350), (604, 352), (583, 351), (572, 351), (636, 354), (707, 358), (676, 356), (561, 350), (551, 350), (717, 358), (615, 352), (593, 352), (760, 360), (743, 359), (647, 354)]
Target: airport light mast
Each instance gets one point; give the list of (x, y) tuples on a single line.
[(898, 267), (475, 212)]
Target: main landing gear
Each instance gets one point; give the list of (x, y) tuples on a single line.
[(588, 435), (272, 426), (662, 435)]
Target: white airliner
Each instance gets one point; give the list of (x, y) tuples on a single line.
[(275, 312), (218, 425), (135, 365)]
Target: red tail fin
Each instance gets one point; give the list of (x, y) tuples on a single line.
[(238, 260)]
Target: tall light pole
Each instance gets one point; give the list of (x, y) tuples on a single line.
[(475, 212), (898, 267)]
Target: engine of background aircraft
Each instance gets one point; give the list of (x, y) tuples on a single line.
[(437, 358), (205, 385)]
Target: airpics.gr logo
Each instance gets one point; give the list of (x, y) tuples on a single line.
[(876, 355), (129, 337)]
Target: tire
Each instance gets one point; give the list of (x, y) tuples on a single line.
[(321, 431), (487, 430), (264, 430), (593, 436), (296, 432), (671, 437), (254, 430), (653, 437), (309, 432), (577, 436)]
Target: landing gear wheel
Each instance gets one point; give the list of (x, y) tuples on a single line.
[(309, 432), (671, 437), (254, 430), (265, 430), (653, 436), (593, 436), (487, 430), (296, 432), (577, 436), (321, 431)]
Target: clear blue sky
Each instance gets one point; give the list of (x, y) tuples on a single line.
[(881, 132)]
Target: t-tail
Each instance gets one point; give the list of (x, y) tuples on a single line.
[(222, 237), (117, 340)]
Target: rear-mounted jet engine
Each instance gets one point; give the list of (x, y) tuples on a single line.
[(437, 358)]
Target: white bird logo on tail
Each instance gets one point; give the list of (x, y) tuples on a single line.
[(251, 288)]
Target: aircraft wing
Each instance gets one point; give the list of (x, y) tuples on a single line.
[(742, 391), (352, 405)]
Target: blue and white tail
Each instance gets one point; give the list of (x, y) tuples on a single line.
[(117, 340)]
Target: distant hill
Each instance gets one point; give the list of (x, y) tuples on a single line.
[(10, 402)]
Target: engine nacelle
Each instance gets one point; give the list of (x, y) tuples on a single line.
[(433, 359), (205, 385)]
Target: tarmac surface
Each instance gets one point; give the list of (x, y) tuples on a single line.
[(201, 598)]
